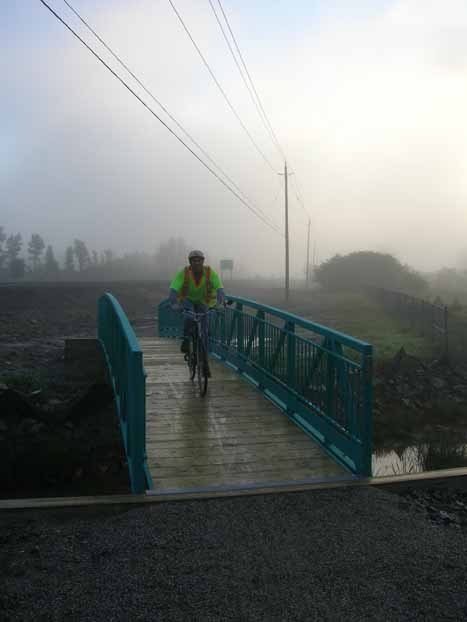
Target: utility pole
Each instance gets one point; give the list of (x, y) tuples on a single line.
[(286, 234), (308, 256), (287, 288)]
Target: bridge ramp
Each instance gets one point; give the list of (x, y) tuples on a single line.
[(232, 438)]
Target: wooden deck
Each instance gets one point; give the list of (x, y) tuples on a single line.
[(234, 437)]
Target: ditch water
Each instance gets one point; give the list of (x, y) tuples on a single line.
[(444, 453)]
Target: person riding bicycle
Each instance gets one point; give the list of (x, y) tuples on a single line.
[(196, 288)]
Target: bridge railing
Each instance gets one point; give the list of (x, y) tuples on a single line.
[(321, 378), (125, 364)]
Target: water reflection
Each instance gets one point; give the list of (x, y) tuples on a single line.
[(447, 451)]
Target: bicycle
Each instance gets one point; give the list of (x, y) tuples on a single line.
[(197, 355)]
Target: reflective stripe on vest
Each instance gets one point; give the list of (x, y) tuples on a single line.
[(186, 282)]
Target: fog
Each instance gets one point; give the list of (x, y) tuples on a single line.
[(367, 99)]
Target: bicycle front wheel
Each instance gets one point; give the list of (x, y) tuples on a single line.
[(202, 369), (193, 357)]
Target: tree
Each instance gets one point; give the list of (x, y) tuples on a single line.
[(365, 268), (95, 258), (170, 257), (69, 259), (17, 268), (108, 256), (82, 254), (13, 246), (35, 249), (2, 250), (51, 264)]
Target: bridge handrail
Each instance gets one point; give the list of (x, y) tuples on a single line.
[(323, 383), (128, 379), (347, 340)]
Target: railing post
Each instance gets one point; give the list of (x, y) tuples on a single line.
[(290, 328), (137, 422), (261, 333), (240, 328), (367, 431), (330, 377)]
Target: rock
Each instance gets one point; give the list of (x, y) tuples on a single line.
[(438, 383), (26, 426), (446, 518), (37, 428)]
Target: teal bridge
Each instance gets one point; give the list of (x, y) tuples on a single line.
[(320, 379)]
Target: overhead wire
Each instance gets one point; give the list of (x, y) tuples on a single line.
[(248, 87), (88, 47), (263, 114), (125, 66), (216, 81)]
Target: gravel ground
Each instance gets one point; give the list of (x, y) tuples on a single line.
[(347, 554)]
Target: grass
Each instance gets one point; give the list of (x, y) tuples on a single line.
[(359, 317)]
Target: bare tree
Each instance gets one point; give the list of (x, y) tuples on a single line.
[(69, 259), (35, 249), (14, 244), (82, 254), (51, 264), (171, 256)]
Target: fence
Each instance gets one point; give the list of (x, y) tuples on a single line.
[(428, 319), (319, 377), (128, 378)]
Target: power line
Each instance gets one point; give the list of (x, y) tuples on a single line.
[(263, 116), (248, 87), (206, 64), (275, 140), (272, 226), (203, 151)]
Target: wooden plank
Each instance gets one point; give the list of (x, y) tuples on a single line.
[(233, 436)]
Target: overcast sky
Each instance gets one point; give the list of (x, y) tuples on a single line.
[(368, 100)]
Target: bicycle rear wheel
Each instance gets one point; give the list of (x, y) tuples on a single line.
[(202, 369)]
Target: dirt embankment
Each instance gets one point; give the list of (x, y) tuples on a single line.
[(59, 433)]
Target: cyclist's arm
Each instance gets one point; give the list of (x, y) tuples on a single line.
[(220, 296), (218, 287)]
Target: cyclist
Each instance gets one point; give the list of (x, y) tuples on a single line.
[(197, 288)]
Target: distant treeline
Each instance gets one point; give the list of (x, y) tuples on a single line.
[(368, 268), (37, 261)]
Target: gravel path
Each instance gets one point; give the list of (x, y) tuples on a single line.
[(347, 554)]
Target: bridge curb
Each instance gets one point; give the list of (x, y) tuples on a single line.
[(457, 477)]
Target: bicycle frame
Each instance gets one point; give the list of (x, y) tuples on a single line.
[(198, 319), (198, 359)]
